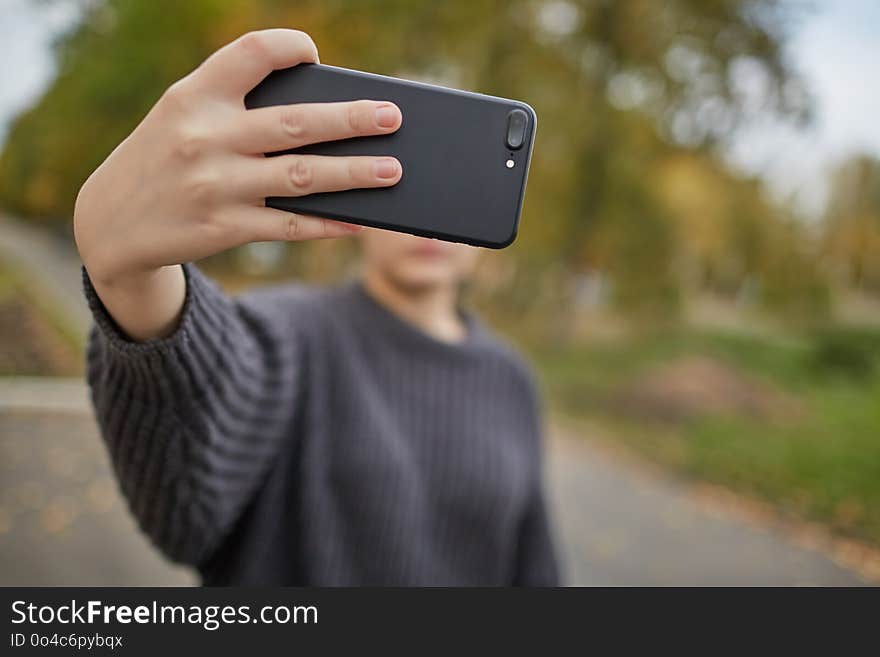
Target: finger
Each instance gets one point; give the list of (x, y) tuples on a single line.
[(269, 129), (261, 224), (239, 66), (299, 175)]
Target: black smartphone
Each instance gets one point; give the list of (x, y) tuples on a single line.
[(465, 155)]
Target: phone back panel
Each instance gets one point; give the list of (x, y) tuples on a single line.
[(457, 184)]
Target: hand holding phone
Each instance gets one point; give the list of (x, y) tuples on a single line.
[(191, 180), (465, 156)]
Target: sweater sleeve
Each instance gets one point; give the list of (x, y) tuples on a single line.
[(192, 421)]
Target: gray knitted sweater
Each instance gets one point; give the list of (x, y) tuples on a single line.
[(298, 436)]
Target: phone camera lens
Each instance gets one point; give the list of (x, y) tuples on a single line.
[(516, 128)]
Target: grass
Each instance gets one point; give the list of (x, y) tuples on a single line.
[(35, 339), (822, 464)]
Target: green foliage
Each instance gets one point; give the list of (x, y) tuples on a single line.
[(112, 69), (847, 352), (820, 460)]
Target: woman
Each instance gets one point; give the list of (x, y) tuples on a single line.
[(367, 434)]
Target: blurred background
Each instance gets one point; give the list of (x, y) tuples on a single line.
[(697, 277)]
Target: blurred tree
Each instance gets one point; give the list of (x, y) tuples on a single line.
[(112, 68), (852, 225), (620, 88), (736, 244)]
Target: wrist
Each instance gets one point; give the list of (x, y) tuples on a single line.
[(123, 280), (145, 305)]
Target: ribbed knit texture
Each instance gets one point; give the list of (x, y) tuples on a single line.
[(297, 436)]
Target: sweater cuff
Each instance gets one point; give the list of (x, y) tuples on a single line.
[(198, 289)]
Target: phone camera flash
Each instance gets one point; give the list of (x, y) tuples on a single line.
[(510, 164)]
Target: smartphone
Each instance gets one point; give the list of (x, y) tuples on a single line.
[(465, 156)]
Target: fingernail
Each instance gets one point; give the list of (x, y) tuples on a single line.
[(352, 228), (386, 116), (386, 168)]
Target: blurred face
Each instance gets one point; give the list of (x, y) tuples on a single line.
[(416, 264)]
